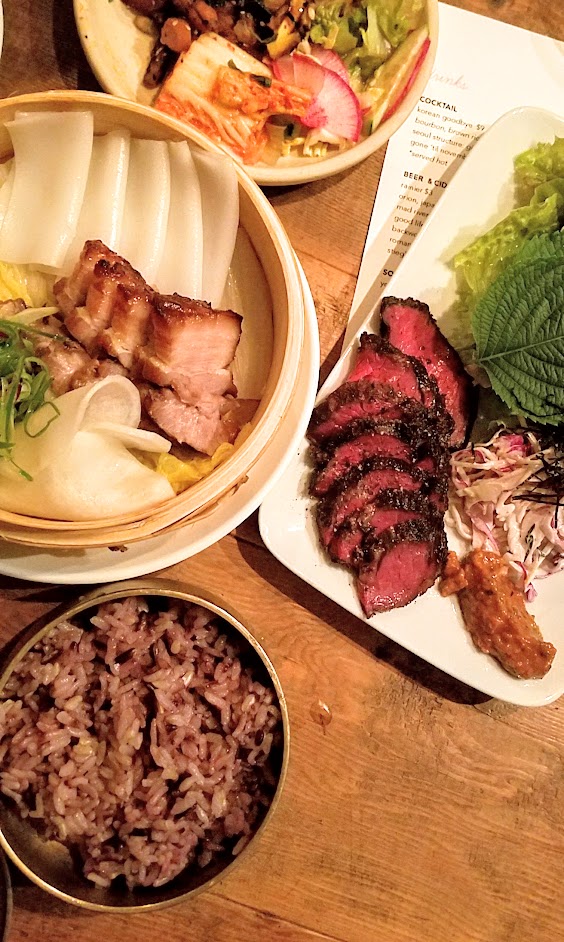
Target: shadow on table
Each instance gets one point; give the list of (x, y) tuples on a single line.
[(367, 637), (72, 63)]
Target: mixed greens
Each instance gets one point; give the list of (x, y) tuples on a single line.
[(512, 288), (364, 33)]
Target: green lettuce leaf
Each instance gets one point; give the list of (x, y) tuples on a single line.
[(518, 327), (538, 165), (397, 18), (484, 259)]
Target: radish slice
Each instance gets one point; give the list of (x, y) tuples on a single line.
[(137, 438), (330, 60), (80, 465), (283, 69), (410, 81), (220, 216), (309, 73), (102, 211), (52, 153), (301, 70), (147, 201), (181, 265), (336, 109)]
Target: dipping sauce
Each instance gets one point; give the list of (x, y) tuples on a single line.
[(494, 612)]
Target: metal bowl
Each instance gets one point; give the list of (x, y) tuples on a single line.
[(48, 863)]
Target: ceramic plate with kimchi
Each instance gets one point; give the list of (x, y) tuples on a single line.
[(295, 91)]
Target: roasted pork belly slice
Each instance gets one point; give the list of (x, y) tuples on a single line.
[(70, 292), (379, 361), (127, 330), (11, 307), (204, 426), (356, 401), (202, 385), (68, 363), (390, 508), (361, 486), (400, 564), (187, 337), (87, 297), (410, 327)]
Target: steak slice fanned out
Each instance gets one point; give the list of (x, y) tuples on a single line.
[(381, 362), (399, 565), (390, 508), (381, 441), (361, 486), (415, 442), (410, 326), (356, 401), (380, 447)]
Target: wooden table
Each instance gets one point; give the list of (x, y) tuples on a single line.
[(423, 812)]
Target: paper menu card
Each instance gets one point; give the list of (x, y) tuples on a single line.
[(483, 68)]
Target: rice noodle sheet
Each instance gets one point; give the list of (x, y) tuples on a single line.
[(102, 210), (52, 153), (180, 269), (80, 464), (147, 202), (220, 214)]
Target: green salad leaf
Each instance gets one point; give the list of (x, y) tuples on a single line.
[(538, 165), (518, 327), (539, 181), (397, 18), (483, 260)]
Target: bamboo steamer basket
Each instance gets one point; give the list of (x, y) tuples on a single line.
[(275, 254), (49, 864)]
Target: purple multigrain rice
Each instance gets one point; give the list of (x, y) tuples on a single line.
[(140, 739)]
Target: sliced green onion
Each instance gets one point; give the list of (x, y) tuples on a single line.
[(24, 383)]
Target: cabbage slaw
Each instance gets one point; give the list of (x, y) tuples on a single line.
[(502, 501)]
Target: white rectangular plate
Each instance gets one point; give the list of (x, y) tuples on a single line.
[(480, 194)]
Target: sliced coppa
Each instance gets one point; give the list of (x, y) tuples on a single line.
[(399, 565), (363, 399), (410, 326), (127, 330), (381, 362), (88, 296), (381, 440), (361, 486), (390, 508)]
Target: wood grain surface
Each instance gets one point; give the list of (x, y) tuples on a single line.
[(423, 812)]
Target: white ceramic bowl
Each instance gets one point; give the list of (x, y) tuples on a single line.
[(118, 53)]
